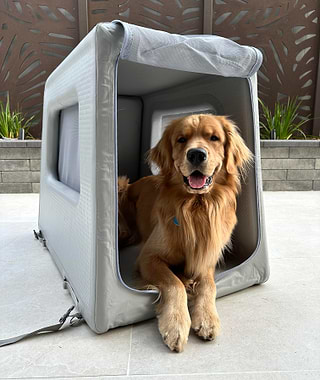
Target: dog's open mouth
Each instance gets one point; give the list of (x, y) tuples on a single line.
[(197, 180)]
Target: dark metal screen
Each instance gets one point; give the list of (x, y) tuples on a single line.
[(287, 32), (174, 16), (35, 36)]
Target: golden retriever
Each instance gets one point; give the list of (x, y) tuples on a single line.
[(184, 218)]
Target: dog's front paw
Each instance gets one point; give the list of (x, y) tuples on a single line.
[(206, 323), (174, 328)]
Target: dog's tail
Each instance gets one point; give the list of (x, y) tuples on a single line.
[(123, 184), (127, 231)]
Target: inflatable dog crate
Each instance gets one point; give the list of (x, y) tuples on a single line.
[(104, 107)]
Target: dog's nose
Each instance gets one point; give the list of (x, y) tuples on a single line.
[(196, 156)]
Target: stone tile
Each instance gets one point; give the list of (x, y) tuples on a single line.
[(303, 163), (12, 206), (316, 185), (304, 152), (287, 185), (269, 332), (31, 297), (35, 177), (15, 230), (20, 153), (277, 375), (12, 144), (275, 152), (14, 165), (273, 175), (292, 224), (74, 353), (35, 165), (290, 216), (290, 143), (36, 187), (273, 327), (317, 165), (33, 143), (300, 175), (22, 177), (15, 188)]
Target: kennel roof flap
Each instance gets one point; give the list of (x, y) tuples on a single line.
[(206, 54)]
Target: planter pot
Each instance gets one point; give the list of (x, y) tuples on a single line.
[(19, 166), (287, 165), (290, 165), (8, 139)]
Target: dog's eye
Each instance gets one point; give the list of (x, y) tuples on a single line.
[(182, 140), (214, 138)]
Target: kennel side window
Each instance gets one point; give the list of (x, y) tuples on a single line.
[(68, 166)]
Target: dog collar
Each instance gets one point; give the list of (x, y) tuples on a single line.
[(175, 221)]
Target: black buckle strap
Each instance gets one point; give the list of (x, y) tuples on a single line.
[(75, 320), (38, 235)]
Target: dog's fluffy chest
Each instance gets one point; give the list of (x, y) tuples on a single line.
[(197, 229)]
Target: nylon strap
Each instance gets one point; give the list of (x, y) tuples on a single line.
[(75, 320)]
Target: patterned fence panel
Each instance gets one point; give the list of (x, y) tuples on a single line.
[(287, 32), (174, 16), (35, 36)]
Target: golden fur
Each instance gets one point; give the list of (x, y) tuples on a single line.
[(177, 259)]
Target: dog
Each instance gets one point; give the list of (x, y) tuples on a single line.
[(184, 217)]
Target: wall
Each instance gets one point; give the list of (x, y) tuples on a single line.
[(286, 166), (20, 166), (290, 165)]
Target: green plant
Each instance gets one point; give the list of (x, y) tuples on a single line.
[(12, 121), (284, 122)]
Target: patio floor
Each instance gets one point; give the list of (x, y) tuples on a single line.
[(270, 331)]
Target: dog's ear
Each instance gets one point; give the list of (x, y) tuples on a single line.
[(238, 156), (161, 154)]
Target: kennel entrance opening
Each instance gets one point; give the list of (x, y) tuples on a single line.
[(148, 98)]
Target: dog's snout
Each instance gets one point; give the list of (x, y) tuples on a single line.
[(196, 156)]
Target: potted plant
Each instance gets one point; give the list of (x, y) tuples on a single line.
[(284, 123), (13, 125), (288, 163)]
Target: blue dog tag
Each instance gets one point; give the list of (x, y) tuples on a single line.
[(175, 221)]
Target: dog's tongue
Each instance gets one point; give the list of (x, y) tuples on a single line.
[(197, 180)]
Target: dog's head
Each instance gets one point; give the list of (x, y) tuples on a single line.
[(195, 149)]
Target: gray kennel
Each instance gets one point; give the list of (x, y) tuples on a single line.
[(104, 107)]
